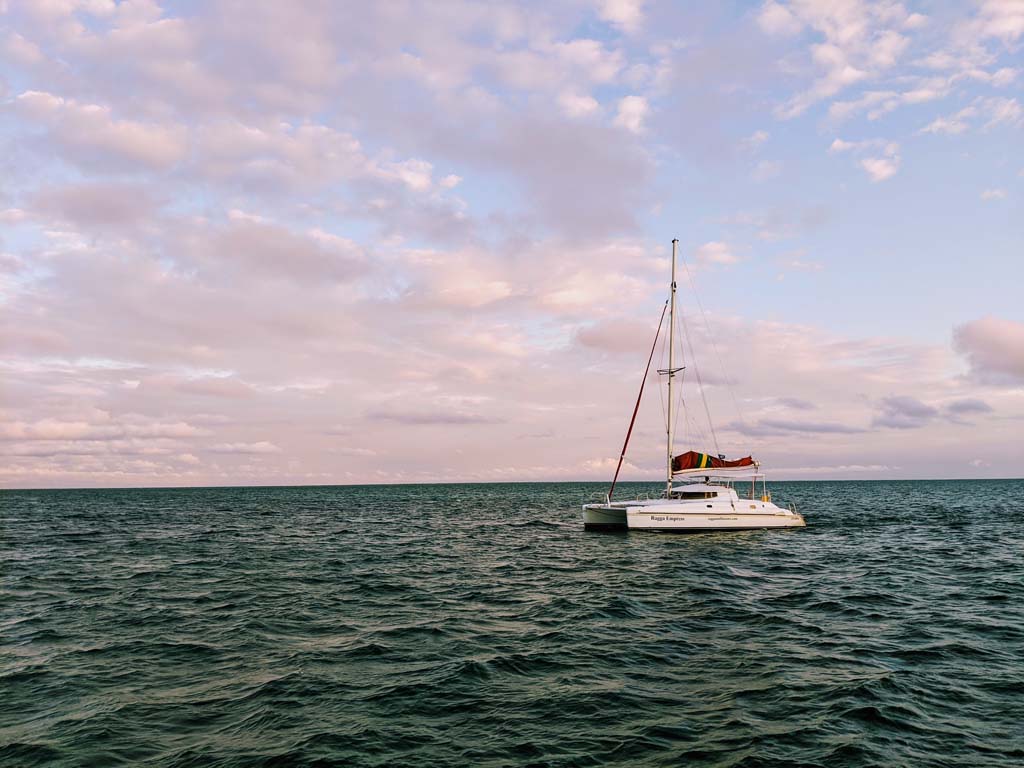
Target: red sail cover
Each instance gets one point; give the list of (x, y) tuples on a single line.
[(694, 460)]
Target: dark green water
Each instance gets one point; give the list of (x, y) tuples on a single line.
[(480, 625)]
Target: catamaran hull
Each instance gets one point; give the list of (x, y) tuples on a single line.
[(668, 522), (676, 518), (604, 519)]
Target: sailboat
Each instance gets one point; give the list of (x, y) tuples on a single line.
[(706, 498)]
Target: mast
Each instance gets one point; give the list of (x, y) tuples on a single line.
[(671, 369)]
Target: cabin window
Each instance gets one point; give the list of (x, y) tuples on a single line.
[(694, 494)]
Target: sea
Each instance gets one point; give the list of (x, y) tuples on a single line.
[(480, 625)]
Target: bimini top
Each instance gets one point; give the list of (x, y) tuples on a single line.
[(694, 463)]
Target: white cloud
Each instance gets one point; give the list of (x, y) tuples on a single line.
[(1003, 77), (1002, 110), (884, 159), (22, 51), (415, 174), (994, 110), (632, 113), (1000, 19), (954, 124), (915, 21), (881, 168), (775, 19), (716, 253), (12, 215), (99, 430), (259, 447), (766, 169), (88, 130), (876, 103), (993, 194), (628, 15), (857, 42), (805, 265), (754, 141), (575, 105)]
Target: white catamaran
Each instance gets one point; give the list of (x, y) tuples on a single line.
[(709, 502)]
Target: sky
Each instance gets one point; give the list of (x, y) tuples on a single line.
[(316, 243)]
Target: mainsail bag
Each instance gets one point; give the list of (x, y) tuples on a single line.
[(695, 460)]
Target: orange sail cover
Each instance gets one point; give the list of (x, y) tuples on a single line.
[(695, 460)]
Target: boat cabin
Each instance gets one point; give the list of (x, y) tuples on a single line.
[(699, 491), (723, 489)]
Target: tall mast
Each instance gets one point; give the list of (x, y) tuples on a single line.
[(671, 369)]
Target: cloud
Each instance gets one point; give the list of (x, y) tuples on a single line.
[(1001, 19), (22, 51), (13, 215), (632, 112), (993, 110), (260, 447), (56, 429), (885, 159), (754, 141), (855, 42), (968, 405), (89, 133), (804, 265), (1002, 110), (716, 253), (207, 386), (766, 169), (628, 15), (903, 412), (99, 205), (796, 403), (994, 348), (776, 19), (954, 124), (993, 194), (254, 247), (576, 105), (838, 469), (617, 336), (769, 427), (881, 168), (425, 418), (305, 156)]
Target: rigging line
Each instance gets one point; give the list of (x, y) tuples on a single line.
[(696, 432), (636, 408), (661, 392), (700, 386), (714, 346)]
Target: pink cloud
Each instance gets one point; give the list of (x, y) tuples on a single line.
[(89, 133), (994, 348)]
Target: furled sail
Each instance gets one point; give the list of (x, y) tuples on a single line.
[(695, 460)]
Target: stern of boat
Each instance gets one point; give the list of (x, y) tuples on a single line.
[(604, 517)]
